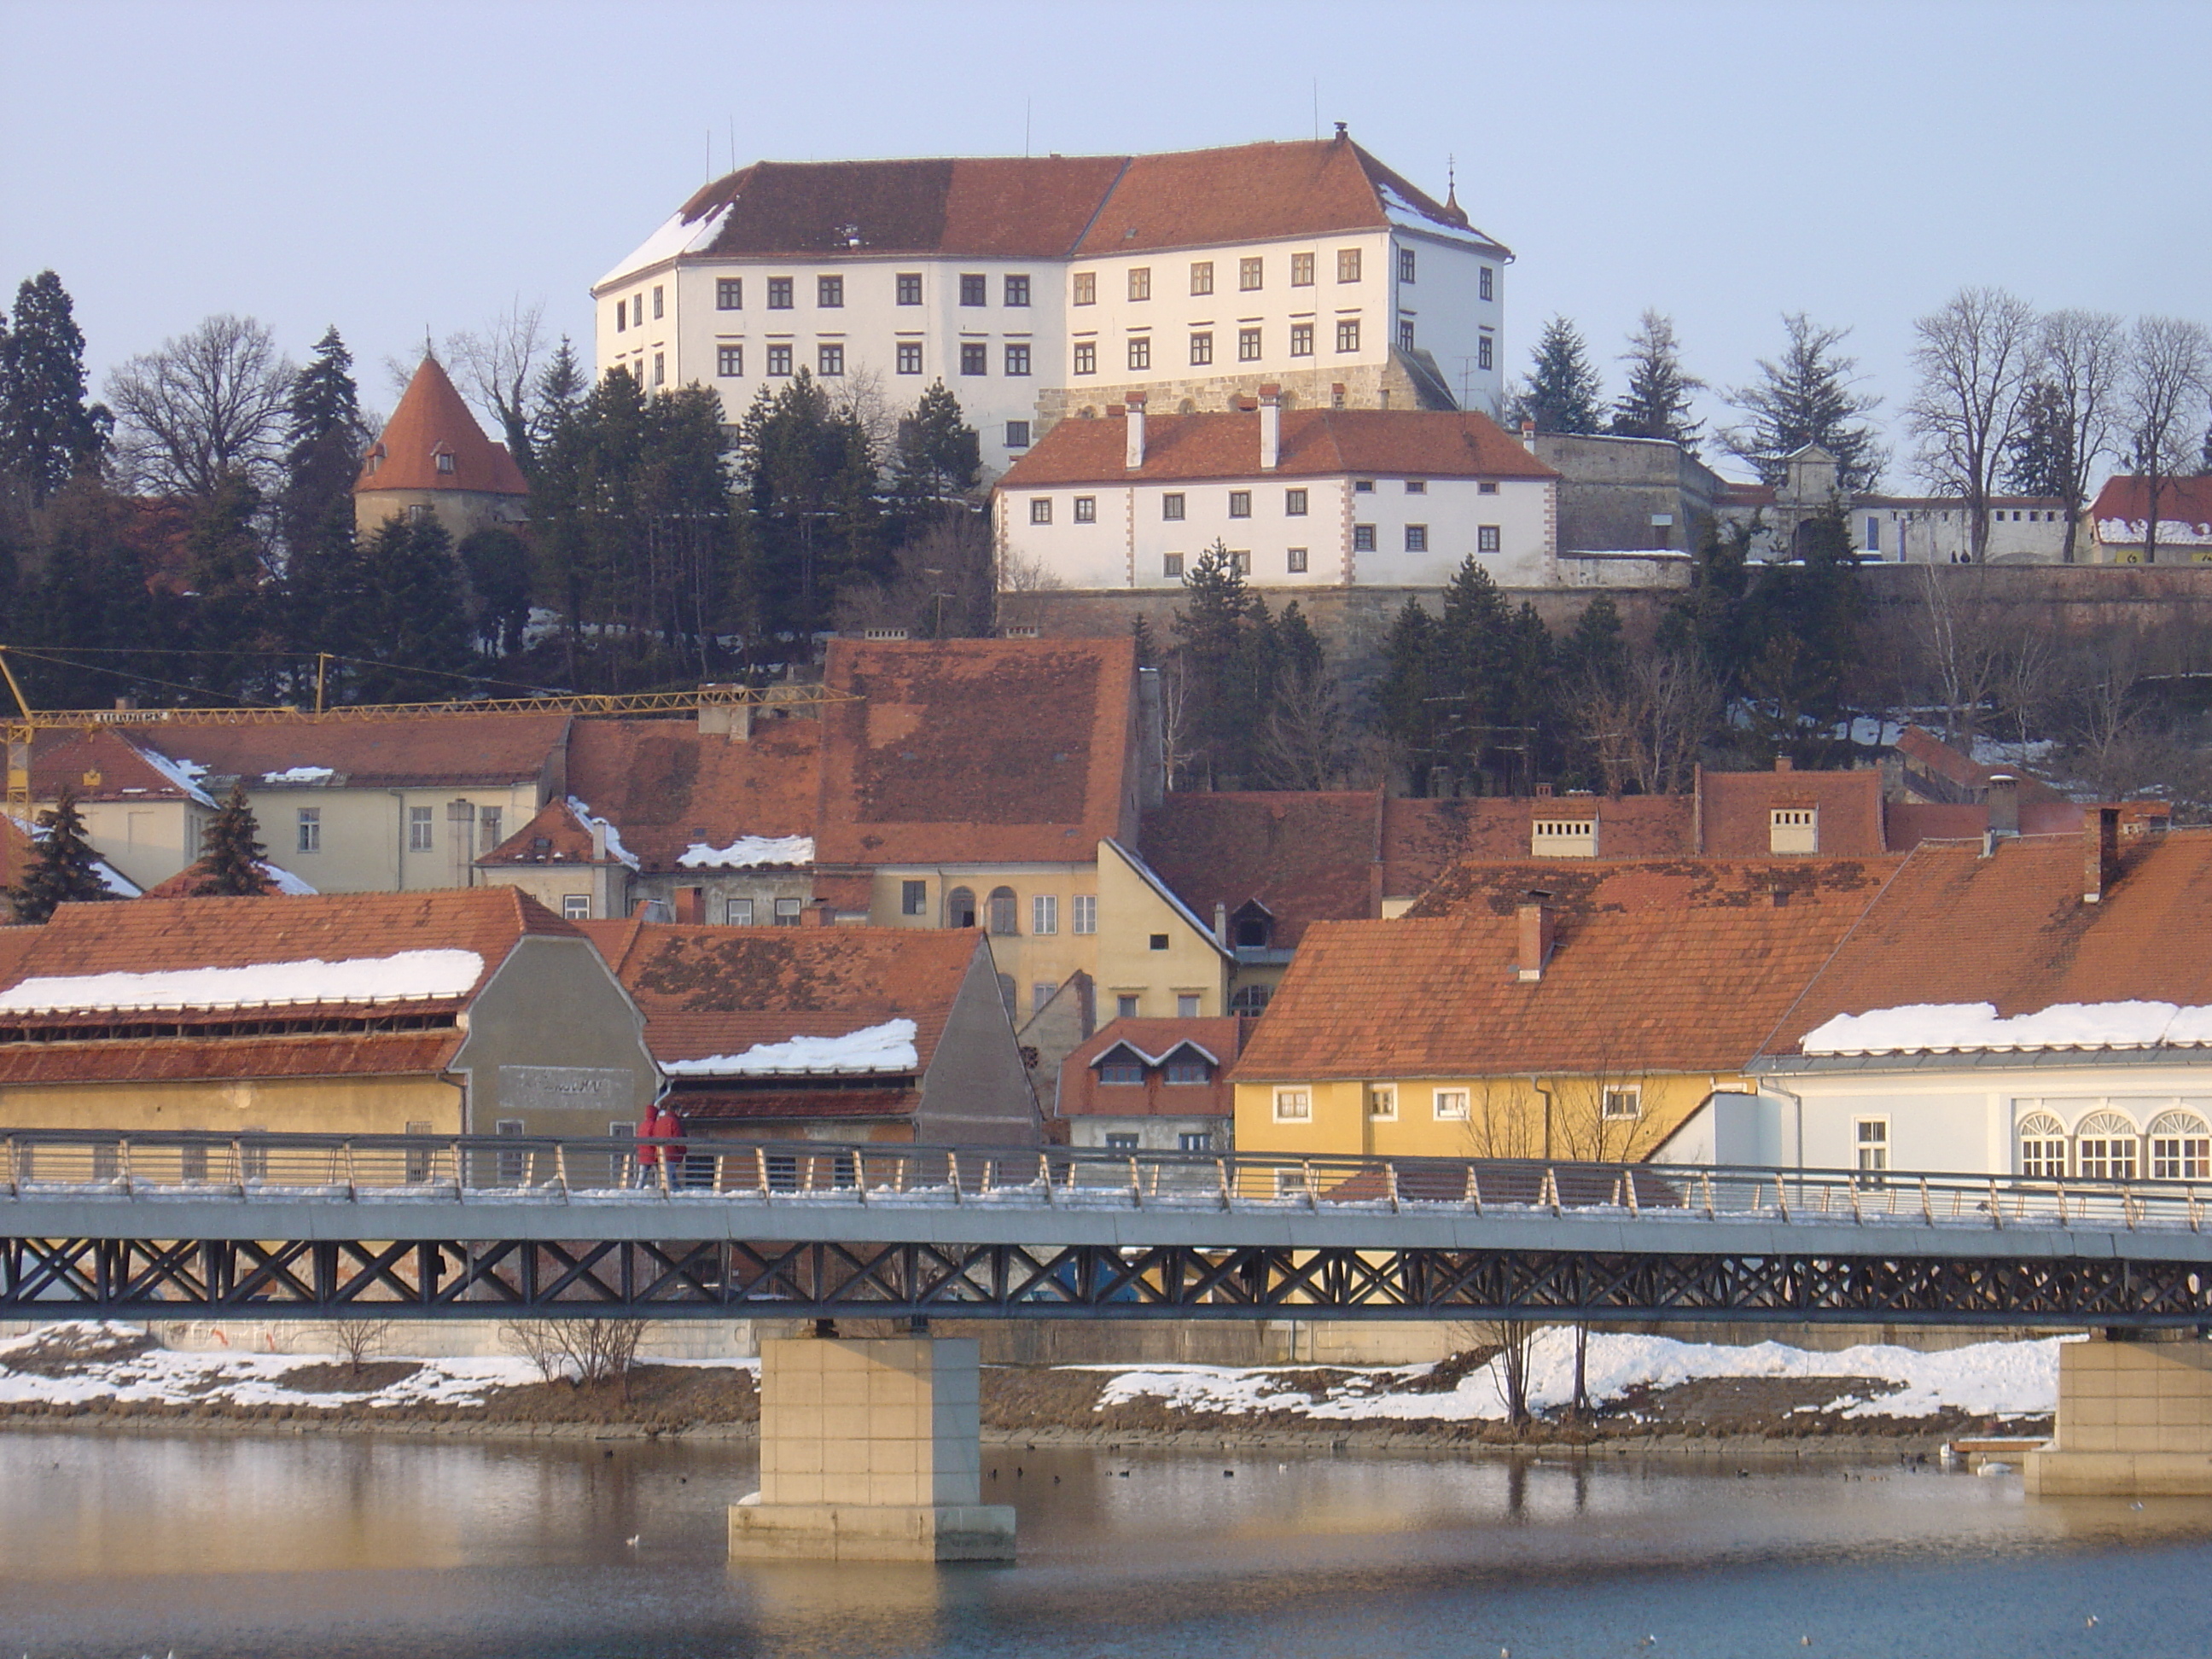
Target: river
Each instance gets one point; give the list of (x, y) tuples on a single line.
[(116, 1546)]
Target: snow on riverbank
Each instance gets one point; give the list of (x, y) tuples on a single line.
[(1995, 1379)]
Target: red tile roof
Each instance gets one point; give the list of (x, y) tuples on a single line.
[(431, 421), (992, 207), (2122, 507), (100, 763), (665, 786), (1081, 1094), (2011, 929), (1259, 192), (977, 751), (1315, 443), (709, 991), (1422, 838), (1307, 857), (709, 1105), (1590, 886), (1627, 993), (424, 750), (567, 841), (204, 1059), (1735, 807)]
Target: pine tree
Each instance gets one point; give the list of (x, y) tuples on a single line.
[(323, 589), (2040, 460), (938, 456), (1215, 628), (1148, 653), (1805, 397), (414, 619), (48, 433), (562, 385), (1564, 392), (63, 869), (1657, 402), (231, 867), (1800, 642), (1405, 699), (1595, 651), (810, 472)]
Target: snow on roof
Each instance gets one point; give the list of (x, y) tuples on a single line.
[(1159, 1058), (186, 775), (283, 881), (407, 976), (1975, 1025), (598, 825), (300, 774), (677, 235), (889, 1047), (115, 881), (749, 851)]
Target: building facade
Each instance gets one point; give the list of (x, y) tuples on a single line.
[(1035, 288)]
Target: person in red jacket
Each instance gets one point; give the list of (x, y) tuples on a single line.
[(658, 1137)]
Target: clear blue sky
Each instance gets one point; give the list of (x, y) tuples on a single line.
[(391, 166)]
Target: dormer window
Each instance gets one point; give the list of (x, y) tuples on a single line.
[(1189, 1071), (446, 462), (1253, 926), (1793, 830), (1124, 1071)]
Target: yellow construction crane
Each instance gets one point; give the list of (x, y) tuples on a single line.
[(23, 726)]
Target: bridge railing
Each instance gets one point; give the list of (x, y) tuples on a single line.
[(275, 1168)]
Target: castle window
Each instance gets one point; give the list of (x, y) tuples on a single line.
[(1248, 345), (622, 316), (1405, 264), (975, 357), (1018, 360), (1201, 276), (1141, 283), (1201, 350), (1347, 334), (1486, 538), (1250, 274), (729, 361), (1171, 505), (1141, 351), (975, 290), (1041, 509), (779, 360), (830, 292), (1296, 562), (445, 462), (1086, 357), (909, 357), (1347, 264), (1301, 339), (1302, 269), (779, 294), (729, 294), (1087, 509), (1084, 288), (1003, 911), (1017, 434), (1485, 285), (1018, 290), (909, 287), (829, 360)]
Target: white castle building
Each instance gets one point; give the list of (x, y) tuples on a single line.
[(1036, 287)]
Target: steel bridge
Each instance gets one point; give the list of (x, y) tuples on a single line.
[(397, 1227)]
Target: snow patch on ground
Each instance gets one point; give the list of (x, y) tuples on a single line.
[(1988, 1379), (357, 979), (885, 1047), (1977, 1026), (749, 851)]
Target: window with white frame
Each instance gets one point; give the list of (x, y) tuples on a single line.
[(1041, 509), (1293, 1105), (311, 829), (1382, 1103), (1087, 509), (1125, 1007), (1040, 994), (787, 912), (1622, 1103), (1294, 561), (1302, 271), (1083, 913), (1486, 538), (1186, 1007), (729, 361), (729, 294), (2180, 1147), (576, 907), (1870, 1142), (1251, 275), (737, 912), (1450, 1105), (1044, 913), (2042, 1147), (419, 830), (2105, 1147)]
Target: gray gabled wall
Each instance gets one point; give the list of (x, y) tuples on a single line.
[(976, 1091)]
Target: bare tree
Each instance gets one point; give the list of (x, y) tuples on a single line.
[(1303, 744), (2169, 371), (1648, 726), (1975, 355), (596, 1350), (1963, 649), (209, 405), (498, 364), (360, 1340), (2083, 353)]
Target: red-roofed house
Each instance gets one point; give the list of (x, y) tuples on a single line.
[(1042, 286), (431, 459), (2120, 521), (1301, 498), (445, 1013), (827, 1033), (1153, 1084)]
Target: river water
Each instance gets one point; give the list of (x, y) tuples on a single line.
[(118, 1546)]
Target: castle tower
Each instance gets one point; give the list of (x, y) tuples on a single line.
[(432, 460)]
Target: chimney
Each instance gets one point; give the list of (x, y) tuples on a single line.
[(2100, 852), (1270, 426), (1543, 792), (1528, 436), (598, 840), (821, 914), (1221, 923), (725, 712), (1783, 763), (691, 905), (1536, 941), (2004, 803), (1135, 457)]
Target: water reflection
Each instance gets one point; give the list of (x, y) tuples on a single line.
[(337, 1546)]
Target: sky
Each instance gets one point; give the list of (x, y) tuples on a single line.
[(399, 168)]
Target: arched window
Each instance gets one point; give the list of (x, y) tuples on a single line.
[(2180, 1147), (960, 907), (1002, 910), (2105, 1148), (2043, 1148)]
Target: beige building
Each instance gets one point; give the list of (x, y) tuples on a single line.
[(441, 1013), (433, 460)]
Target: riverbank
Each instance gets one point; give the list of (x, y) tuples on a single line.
[(1641, 1392)]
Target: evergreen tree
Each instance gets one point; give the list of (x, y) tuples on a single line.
[(938, 456), (497, 562), (48, 433), (1215, 630), (63, 869), (2040, 461), (1657, 402), (562, 385), (810, 472), (1406, 698), (1564, 392), (1147, 648), (1805, 397), (225, 565), (1707, 624), (1595, 651), (1801, 628), (90, 595), (231, 867), (323, 590), (416, 632)]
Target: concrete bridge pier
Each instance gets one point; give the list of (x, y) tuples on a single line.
[(871, 1450), (2135, 1418)]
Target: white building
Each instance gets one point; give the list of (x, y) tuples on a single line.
[(1042, 286), (1895, 529), (1302, 498)]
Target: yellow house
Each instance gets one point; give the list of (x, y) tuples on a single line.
[(1539, 1014), (457, 1012)]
